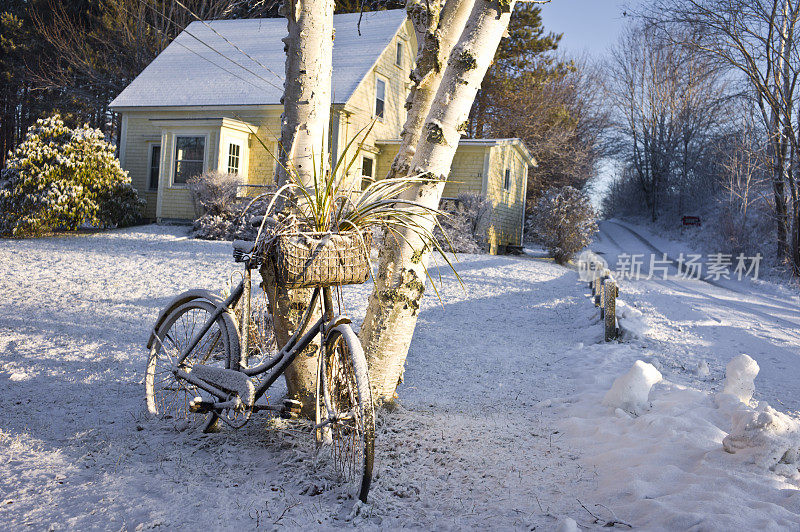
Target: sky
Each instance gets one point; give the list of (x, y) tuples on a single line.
[(589, 26)]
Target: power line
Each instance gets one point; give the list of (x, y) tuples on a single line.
[(214, 50), (197, 54), (206, 24)]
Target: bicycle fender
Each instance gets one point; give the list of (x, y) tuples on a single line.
[(335, 323), (179, 300)]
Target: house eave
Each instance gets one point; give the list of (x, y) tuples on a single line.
[(214, 122), (211, 108), (488, 143)]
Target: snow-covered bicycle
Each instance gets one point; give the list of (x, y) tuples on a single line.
[(211, 359)]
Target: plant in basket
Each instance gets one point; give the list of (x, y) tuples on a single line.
[(322, 235)]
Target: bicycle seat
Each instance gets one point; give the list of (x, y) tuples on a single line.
[(242, 250)]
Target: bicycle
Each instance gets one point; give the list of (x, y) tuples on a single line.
[(201, 369)]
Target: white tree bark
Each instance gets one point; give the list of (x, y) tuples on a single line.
[(395, 301), (438, 28), (306, 118)]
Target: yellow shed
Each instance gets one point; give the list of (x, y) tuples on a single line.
[(496, 169)]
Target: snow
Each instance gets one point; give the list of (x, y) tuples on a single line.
[(226, 379), (568, 524), (631, 390), (740, 374), (630, 321), (500, 423), (765, 437), (226, 76)]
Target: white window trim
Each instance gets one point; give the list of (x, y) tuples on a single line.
[(150, 144), (241, 139), (385, 81), (374, 168), (398, 57), (173, 148), (240, 156)]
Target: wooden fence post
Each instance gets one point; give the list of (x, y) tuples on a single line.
[(609, 299)]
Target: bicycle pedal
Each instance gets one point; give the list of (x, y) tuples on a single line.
[(291, 409), (198, 406)]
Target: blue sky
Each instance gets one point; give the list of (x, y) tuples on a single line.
[(589, 26)]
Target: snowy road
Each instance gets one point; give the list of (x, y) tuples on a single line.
[(714, 322), (665, 469)]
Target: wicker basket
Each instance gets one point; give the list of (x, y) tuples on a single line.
[(303, 260)]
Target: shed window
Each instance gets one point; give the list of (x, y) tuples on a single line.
[(398, 58), (507, 180), (155, 164), (380, 97), (189, 157), (233, 158), (367, 172)]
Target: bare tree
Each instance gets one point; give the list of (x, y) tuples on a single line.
[(395, 300), (757, 39), (668, 102), (304, 124)]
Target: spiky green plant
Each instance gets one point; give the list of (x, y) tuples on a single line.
[(331, 204)]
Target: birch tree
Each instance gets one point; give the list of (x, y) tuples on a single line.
[(395, 300), (306, 115)]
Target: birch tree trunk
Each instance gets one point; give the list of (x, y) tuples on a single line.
[(306, 117), (395, 300), (438, 28)]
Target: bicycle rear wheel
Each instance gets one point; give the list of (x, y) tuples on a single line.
[(349, 426), (168, 397)]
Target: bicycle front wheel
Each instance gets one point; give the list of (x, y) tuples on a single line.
[(168, 397), (348, 426)]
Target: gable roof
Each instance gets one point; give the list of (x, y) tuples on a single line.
[(190, 72)]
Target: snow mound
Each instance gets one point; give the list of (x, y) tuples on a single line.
[(630, 321), (766, 437), (739, 376), (630, 391), (567, 524)]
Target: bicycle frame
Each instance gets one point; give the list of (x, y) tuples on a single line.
[(287, 354)]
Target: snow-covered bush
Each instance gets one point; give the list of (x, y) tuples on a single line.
[(215, 192), (215, 197), (222, 210), (465, 225), (61, 178), (563, 221)]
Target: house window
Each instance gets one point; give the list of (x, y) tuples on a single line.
[(398, 58), (380, 97), (367, 172), (155, 164), (189, 158), (234, 151), (507, 180)]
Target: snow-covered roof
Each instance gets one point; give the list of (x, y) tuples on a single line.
[(199, 68)]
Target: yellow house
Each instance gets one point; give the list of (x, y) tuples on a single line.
[(212, 101)]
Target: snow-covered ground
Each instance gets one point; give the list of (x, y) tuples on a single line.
[(501, 423)]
